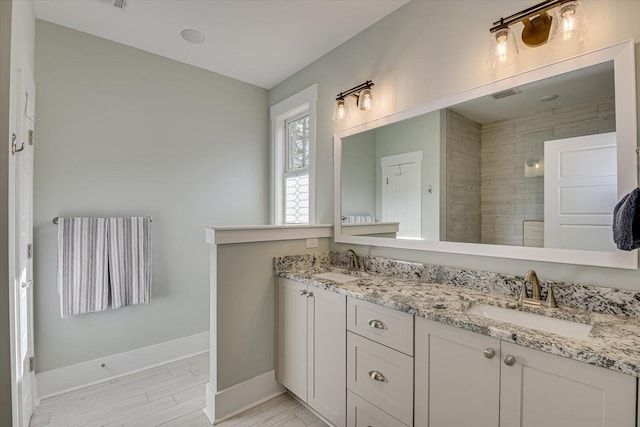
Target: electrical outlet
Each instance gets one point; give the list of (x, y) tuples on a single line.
[(312, 243)]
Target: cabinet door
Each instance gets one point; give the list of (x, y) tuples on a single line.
[(292, 337), (327, 354), (361, 413), (382, 376), (456, 384), (541, 389)]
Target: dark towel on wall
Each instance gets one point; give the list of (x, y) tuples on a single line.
[(626, 222)]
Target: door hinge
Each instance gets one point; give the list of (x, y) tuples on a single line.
[(32, 364), (387, 181), (30, 251), (30, 136)]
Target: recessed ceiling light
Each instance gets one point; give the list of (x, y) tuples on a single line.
[(548, 98), (193, 36)]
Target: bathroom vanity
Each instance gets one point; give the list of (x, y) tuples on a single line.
[(407, 344), (400, 349)]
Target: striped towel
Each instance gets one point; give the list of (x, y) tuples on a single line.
[(82, 265), (130, 260), (357, 219)]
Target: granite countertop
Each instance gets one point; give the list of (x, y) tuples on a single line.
[(613, 343)]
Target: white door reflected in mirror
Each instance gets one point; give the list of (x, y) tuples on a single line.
[(401, 196), (579, 189)]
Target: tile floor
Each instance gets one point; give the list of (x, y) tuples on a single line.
[(167, 395)]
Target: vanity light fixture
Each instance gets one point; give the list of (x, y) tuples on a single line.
[(567, 26), (364, 100)]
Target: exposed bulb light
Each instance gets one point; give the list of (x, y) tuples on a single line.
[(502, 48), (569, 25), (566, 29), (365, 100), (341, 111), (193, 36)]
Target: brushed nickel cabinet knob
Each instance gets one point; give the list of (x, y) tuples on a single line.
[(509, 360), (489, 353)]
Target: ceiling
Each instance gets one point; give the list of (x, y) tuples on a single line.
[(261, 42), (585, 84)]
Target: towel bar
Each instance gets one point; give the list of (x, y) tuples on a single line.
[(55, 220)]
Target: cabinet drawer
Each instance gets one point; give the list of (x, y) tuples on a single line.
[(389, 327), (382, 376), (361, 413)]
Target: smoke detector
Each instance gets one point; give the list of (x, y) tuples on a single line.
[(118, 4)]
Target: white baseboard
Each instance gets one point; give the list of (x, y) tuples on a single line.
[(61, 380), (240, 397)]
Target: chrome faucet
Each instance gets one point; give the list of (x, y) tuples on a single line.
[(356, 264), (535, 300)]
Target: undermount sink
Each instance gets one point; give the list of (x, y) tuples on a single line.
[(532, 321), (336, 276)]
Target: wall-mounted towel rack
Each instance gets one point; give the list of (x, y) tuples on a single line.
[(55, 220)]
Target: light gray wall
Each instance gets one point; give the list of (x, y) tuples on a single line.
[(246, 304), (359, 174), (122, 132), (417, 134), (17, 33), (430, 49)]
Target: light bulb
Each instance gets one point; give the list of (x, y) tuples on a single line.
[(341, 111), (502, 48), (569, 25), (365, 100)]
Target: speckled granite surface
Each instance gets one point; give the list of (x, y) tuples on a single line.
[(614, 341), (585, 297)]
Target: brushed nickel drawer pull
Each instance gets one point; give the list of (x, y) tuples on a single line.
[(377, 376), (377, 324), (303, 292)]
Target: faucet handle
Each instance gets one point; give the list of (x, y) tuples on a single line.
[(551, 298), (523, 291)]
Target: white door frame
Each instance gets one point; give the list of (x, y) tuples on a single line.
[(18, 257)]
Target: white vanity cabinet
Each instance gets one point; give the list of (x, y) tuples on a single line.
[(311, 336), (541, 389), (463, 378), (380, 362), (456, 383)]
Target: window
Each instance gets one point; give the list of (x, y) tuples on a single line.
[(293, 163), (296, 174)]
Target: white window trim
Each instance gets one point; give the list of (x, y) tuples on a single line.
[(305, 100)]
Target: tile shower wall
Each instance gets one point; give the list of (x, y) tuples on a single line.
[(463, 179), (509, 147)]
